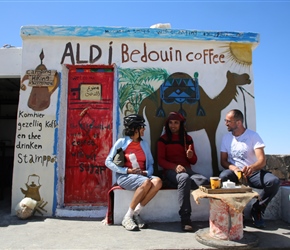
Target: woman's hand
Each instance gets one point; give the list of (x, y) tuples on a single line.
[(134, 171)]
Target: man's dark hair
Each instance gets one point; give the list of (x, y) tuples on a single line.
[(238, 115)]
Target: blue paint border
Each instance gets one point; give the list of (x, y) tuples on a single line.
[(55, 146), (123, 32)]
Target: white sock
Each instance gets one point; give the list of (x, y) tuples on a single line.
[(138, 209), (129, 213)]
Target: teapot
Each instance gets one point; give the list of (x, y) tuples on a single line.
[(229, 184), (32, 189)]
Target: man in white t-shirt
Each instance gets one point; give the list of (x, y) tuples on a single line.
[(243, 150)]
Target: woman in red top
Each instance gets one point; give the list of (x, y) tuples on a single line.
[(136, 173), (175, 155)]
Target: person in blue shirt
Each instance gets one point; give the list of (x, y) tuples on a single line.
[(137, 171)]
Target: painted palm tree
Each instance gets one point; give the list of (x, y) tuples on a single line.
[(135, 86)]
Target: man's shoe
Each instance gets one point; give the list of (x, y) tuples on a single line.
[(139, 221), (129, 224), (257, 218), (186, 226)]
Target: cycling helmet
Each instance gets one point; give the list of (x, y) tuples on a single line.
[(134, 120)]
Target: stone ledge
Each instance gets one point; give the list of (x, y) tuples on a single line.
[(79, 212)]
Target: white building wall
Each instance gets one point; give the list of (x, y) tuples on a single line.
[(216, 54), (10, 61)]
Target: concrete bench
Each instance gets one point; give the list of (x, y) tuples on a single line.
[(164, 206)]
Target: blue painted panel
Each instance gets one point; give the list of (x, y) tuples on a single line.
[(122, 32)]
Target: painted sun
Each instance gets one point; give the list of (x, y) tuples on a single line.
[(240, 53)]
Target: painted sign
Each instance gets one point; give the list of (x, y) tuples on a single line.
[(91, 92)]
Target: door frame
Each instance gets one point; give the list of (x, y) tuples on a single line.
[(60, 148)]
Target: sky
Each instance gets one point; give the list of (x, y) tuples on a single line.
[(270, 19)]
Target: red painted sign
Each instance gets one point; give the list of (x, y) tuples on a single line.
[(89, 135)]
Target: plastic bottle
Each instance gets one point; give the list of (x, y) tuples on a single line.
[(133, 160)]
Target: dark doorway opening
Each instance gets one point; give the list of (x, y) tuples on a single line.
[(9, 98)]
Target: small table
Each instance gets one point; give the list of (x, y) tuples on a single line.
[(226, 213)]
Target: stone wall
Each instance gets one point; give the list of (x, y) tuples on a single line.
[(279, 165)]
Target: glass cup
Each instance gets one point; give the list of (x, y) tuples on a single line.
[(215, 182)]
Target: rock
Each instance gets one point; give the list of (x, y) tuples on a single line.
[(279, 165)]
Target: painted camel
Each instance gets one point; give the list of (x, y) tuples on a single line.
[(203, 113)]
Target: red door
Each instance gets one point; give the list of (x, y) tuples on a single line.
[(89, 135)]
